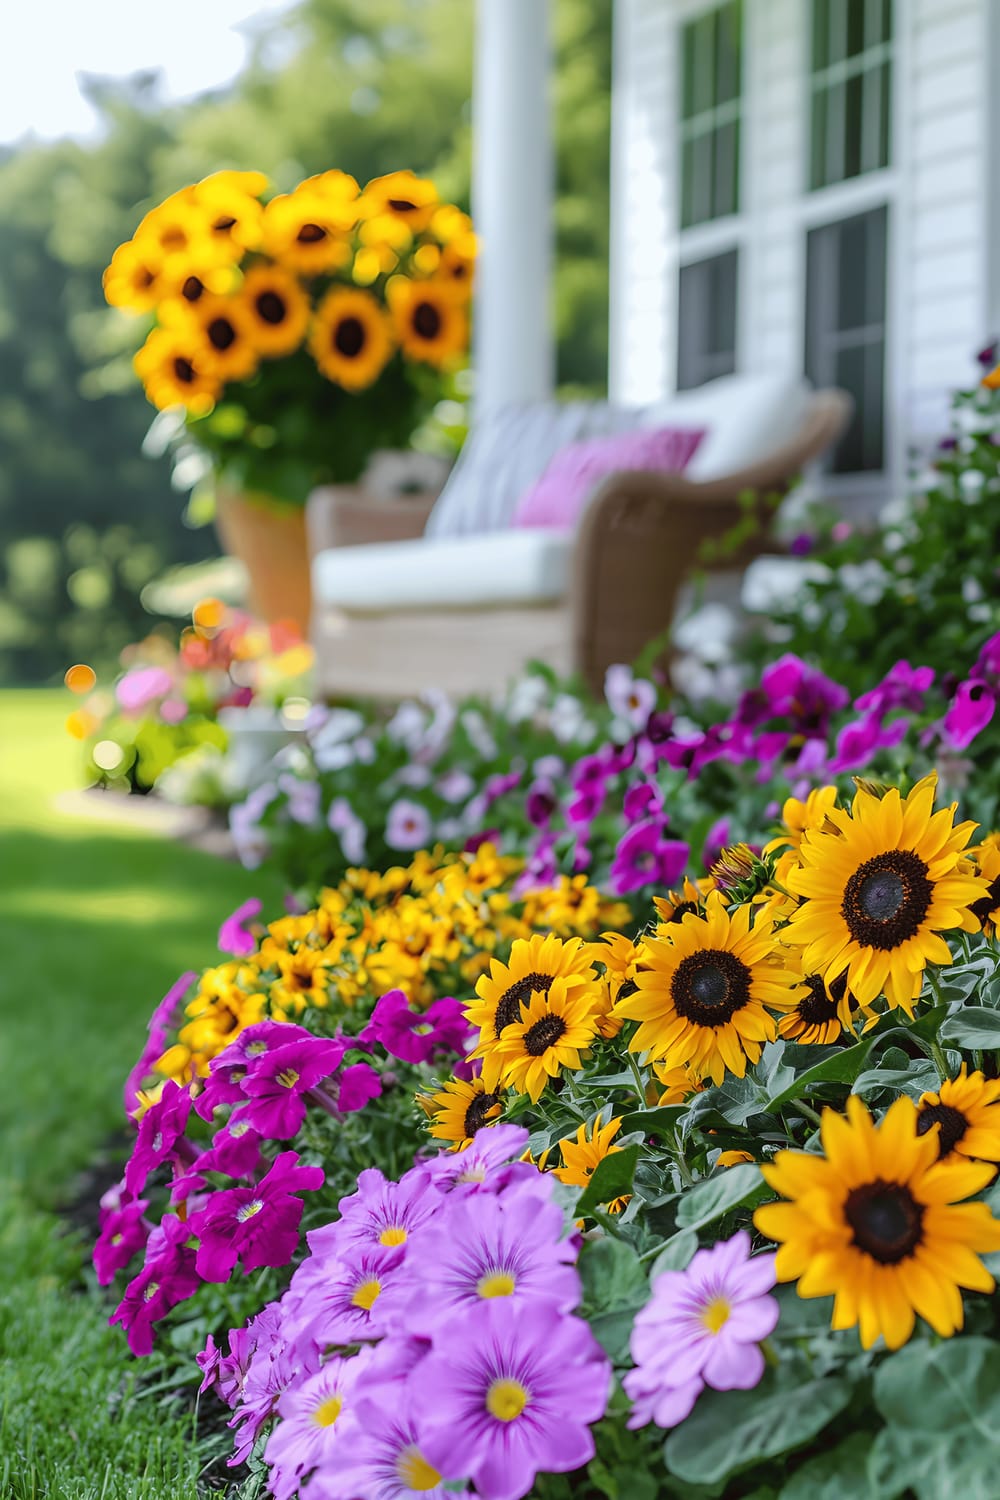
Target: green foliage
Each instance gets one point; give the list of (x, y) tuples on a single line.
[(922, 585)]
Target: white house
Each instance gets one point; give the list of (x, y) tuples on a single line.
[(809, 184), (798, 185)]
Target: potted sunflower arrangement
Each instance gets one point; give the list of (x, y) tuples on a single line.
[(295, 333)]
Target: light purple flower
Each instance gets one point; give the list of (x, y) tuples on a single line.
[(632, 698), (380, 1213), (317, 1425), (455, 785), (235, 935), (384, 1461), (512, 1397), (303, 799), (336, 1299), (259, 1225), (408, 825), (343, 821), (141, 687), (485, 1164), (702, 1326), (416, 1036), (252, 842), (716, 839), (268, 1365)]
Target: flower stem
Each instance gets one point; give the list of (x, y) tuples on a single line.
[(940, 1061), (807, 1112), (681, 1160), (640, 1084)]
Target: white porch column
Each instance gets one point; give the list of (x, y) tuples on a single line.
[(512, 190)]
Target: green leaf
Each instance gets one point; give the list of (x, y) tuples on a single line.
[(715, 1196), (736, 1100), (675, 1254), (841, 1066), (612, 1179), (730, 1430), (615, 1286), (835, 1473), (915, 1080), (973, 1026), (654, 1121)]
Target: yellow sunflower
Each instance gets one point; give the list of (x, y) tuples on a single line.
[(679, 1083), (278, 307), (553, 1029), (400, 196), (430, 320), (306, 231), (582, 1156), (880, 889), (224, 328), (702, 1000), (967, 1108), (676, 905), (179, 234), (822, 1013), (986, 859), (351, 341), (533, 967), (234, 214), (459, 1109), (178, 371), (878, 1223), (134, 278), (621, 958)]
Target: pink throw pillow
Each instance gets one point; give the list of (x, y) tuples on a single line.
[(557, 499)]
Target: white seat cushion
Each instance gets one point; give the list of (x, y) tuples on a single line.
[(492, 570), (746, 417)]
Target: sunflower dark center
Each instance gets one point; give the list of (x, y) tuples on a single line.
[(509, 1004), (628, 988), (818, 1006), (886, 1219), (349, 337), (221, 334), (184, 370), (952, 1121), (144, 278), (543, 1035), (401, 205), (311, 234), (989, 903), (426, 320), (477, 1112), (709, 987), (886, 899), (192, 288), (271, 308), (682, 910)]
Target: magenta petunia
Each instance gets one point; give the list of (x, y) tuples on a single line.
[(317, 1426), (969, 712), (502, 1398), (236, 936), (276, 1083), (902, 686), (230, 1067), (702, 1326), (644, 856), (355, 1087), (160, 1130), (235, 1151), (259, 1225), (416, 1036), (860, 739), (507, 1247), (168, 1277), (124, 1231)]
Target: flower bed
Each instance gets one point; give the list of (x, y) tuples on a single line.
[(716, 1213)]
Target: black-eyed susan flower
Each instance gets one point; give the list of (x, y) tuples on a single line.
[(878, 1223), (278, 307), (306, 231), (582, 1156), (986, 859), (235, 214), (552, 1031), (459, 1109), (401, 196), (134, 280), (703, 998), (822, 1013), (227, 331), (430, 320), (879, 888), (351, 340), (533, 967), (178, 233), (176, 370), (967, 1111)]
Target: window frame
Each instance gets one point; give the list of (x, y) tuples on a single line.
[(712, 118), (704, 357), (866, 65)]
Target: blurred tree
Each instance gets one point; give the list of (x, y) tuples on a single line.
[(366, 85)]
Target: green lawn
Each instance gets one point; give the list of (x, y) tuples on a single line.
[(96, 920)]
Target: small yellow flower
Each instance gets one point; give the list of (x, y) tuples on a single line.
[(582, 1156)]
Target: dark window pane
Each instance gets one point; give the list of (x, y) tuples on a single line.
[(836, 47), (833, 165), (706, 325), (687, 183), (729, 24), (727, 162), (820, 34), (855, 27), (845, 329), (703, 71), (687, 73), (885, 119), (853, 122), (882, 20), (817, 170), (698, 187)]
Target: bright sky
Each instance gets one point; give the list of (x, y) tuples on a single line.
[(198, 44)]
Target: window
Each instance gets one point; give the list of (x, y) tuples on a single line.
[(851, 88), (845, 329), (711, 87), (706, 324)]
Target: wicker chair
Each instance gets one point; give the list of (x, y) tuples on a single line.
[(641, 537)]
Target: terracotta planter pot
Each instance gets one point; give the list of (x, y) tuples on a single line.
[(271, 544)]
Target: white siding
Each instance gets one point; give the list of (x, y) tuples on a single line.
[(943, 190)]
